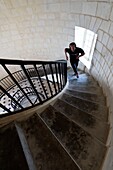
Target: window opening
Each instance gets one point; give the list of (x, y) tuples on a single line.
[(86, 40)]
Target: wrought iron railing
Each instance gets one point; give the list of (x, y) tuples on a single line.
[(34, 83)]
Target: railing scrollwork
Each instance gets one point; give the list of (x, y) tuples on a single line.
[(33, 84)]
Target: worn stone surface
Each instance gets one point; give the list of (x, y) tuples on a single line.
[(47, 153), (11, 153), (85, 83), (84, 79), (85, 88), (87, 96), (86, 151), (96, 127), (87, 106)]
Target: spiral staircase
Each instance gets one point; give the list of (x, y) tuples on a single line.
[(70, 134)]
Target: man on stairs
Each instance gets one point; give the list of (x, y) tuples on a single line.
[(74, 53)]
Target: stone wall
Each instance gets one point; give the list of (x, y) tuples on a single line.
[(41, 29)]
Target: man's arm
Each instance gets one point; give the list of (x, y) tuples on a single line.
[(82, 54), (65, 51)]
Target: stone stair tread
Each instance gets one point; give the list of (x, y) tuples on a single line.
[(82, 82), (91, 124), (83, 78), (46, 151), (11, 152), (87, 152), (95, 109), (87, 96), (85, 88)]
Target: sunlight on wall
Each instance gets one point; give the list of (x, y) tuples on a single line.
[(86, 40)]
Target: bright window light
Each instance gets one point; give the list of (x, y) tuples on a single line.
[(86, 40)]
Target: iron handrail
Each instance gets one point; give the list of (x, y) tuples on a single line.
[(44, 77)]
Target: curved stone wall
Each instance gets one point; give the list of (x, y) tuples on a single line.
[(41, 29)]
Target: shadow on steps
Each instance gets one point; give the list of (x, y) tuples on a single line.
[(87, 152), (93, 125)]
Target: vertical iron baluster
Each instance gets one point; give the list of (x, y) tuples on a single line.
[(50, 65), (5, 92), (61, 67), (60, 74), (4, 84), (31, 83), (18, 76), (65, 71), (16, 82), (40, 81), (9, 81), (5, 108), (47, 79), (57, 76), (22, 75), (29, 72)]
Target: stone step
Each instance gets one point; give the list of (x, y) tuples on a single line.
[(25, 148), (89, 123), (92, 108), (86, 89), (11, 152), (87, 152), (83, 79), (87, 96), (74, 80), (46, 151)]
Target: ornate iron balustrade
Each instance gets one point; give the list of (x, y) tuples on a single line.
[(34, 83)]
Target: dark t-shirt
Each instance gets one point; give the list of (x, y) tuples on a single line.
[(73, 54)]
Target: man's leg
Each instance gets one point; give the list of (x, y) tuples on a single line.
[(74, 66)]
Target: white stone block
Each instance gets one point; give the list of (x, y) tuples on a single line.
[(105, 26), (111, 15), (81, 21), (111, 29), (8, 3), (104, 51), (100, 35), (64, 16), (97, 25), (76, 7), (105, 38), (41, 23), (18, 3), (57, 7), (87, 20), (103, 10), (110, 79), (42, 16), (68, 31), (102, 61), (99, 46), (50, 16), (77, 20), (110, 43), (89, 8), (65, 6), (69, 24), (92, 23)]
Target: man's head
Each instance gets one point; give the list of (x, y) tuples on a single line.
[(72, 46)]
